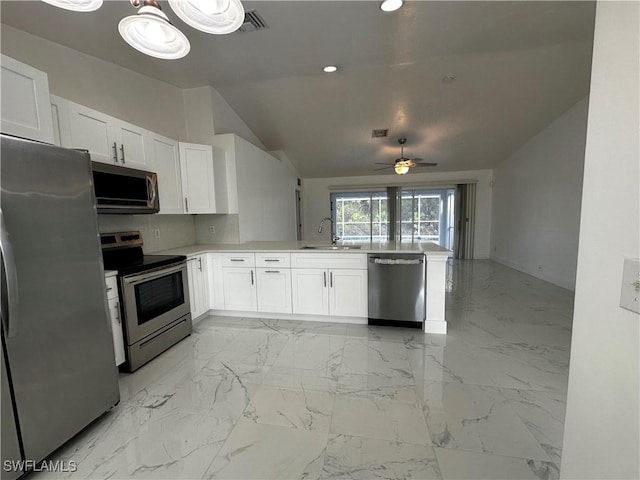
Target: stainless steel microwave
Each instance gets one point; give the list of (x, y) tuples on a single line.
[(124, 190)]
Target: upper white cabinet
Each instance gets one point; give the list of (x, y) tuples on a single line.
[(26, 110), (165, 161), (257, 186), (108, 139), (198, 188)]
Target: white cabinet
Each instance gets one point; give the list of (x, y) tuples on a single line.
[(26, 108), (239, 289), (309, 290), (216, 281), (116, 321), (165, 161), (108, 139), (336, 290), (198, 188), (274, 290), (348, 293), (198, 285)]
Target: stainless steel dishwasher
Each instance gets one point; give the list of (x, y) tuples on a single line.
[(397, 289)]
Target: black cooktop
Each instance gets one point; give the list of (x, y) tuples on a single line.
[(122, 251), (126, 265)]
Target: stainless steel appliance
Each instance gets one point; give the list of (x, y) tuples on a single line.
[(154, 293), (125, 190), (397, 289), (58, 370)]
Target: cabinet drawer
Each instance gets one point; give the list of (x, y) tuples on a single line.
[(238, 260), (112, 287), (329, 260), (268, 260)]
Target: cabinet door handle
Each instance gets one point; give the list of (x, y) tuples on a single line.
[(237, 259), (331, 279), (115, 152), (122, 152), (200, 262), (272, 271), (325, 278), (109, 289), (186, 204), (118, 312), (271, 260), (251, 277)]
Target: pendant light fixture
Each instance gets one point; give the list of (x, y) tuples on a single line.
[(211, 16), (150, 32), (401, 168), (76, 5)]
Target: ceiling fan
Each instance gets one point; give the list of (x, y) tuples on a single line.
[(402, 165)]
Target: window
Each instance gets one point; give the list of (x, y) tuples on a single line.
[(425, 215)]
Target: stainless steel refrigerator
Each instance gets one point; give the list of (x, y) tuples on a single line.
[(58, 368)]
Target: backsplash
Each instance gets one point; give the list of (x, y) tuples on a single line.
[(175, 230), (226, 229)]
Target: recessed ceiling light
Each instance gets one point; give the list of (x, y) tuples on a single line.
[(330, 68), (390, 5)]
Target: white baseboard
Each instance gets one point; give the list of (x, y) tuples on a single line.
[(560, 282), (291, 316)]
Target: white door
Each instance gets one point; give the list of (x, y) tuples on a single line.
[(26, 107), (274, 290), (348, 293), (239, 289), (165, 161), (309, 291), (116, 330), (196, 166), (197, 274), (216, 281), (132, 148), (93, 131)]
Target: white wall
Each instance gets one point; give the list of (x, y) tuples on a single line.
[(101, 85), (316, 199), (536, 201), (601, 434)]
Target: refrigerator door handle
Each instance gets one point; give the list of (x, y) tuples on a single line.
[(11, 278)]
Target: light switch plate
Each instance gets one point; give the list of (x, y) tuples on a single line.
[(630, 292)]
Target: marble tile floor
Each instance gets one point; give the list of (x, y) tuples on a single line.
[(252, 398)]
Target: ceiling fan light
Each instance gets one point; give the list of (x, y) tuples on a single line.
[(76, 5), (150, 32), (210, 16), (390, 5), (401, 168)]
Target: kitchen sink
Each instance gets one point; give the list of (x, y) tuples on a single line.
[(331, 247)]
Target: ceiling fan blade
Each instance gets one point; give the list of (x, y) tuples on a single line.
[(383, 168), (417, 160), (423, 165), (387, 163)]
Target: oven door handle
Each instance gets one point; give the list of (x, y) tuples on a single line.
[(135, 279)]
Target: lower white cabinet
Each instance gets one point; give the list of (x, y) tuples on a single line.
[(116, 320), (274, 290), (198, 285), (240, 289), (216, 281), (339, 292)]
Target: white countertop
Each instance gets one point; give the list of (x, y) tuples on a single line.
[(430, 249), (110, 273)]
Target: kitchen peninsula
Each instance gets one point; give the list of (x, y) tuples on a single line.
[(303, 280)]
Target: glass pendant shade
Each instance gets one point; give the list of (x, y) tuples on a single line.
[(210, 16), (150, 32), (76, 5), (401, 168)]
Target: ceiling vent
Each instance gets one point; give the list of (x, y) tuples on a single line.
[(252, 22), (380, 132)]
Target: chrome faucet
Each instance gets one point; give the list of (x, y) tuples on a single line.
[(334, 238)]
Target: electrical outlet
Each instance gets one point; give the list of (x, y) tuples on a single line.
[(156, 233), (630, 292), (212, 229)]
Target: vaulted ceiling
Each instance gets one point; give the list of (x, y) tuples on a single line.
[(517, 67)]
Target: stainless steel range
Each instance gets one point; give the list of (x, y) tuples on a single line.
[(154, 294)]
